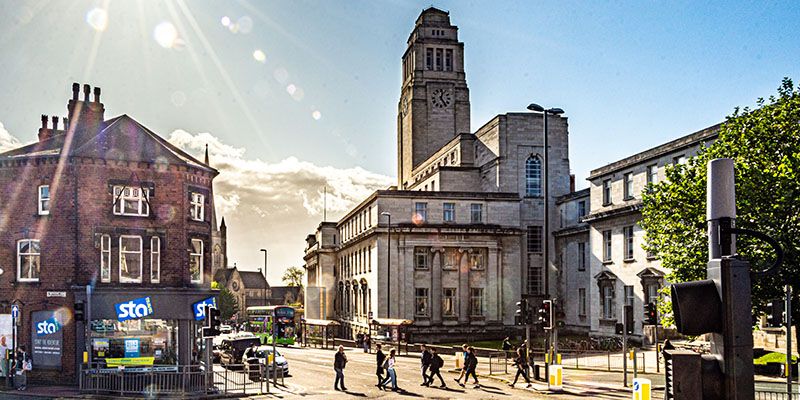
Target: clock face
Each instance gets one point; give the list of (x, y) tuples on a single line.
[(441, 98)]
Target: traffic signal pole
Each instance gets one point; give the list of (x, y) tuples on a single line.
[(789, 340), (624, 346)]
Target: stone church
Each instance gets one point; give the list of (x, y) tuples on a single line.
[(459, 240)]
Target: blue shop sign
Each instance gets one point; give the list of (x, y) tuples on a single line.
[(134, 309), (200, 308), (47, 327), (131, 348)]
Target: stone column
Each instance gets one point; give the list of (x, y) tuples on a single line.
[(463, 285), (436, 285), (493, 285)]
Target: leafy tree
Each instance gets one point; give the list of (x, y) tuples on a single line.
[(293, 276), (228, 305), (765, 146)]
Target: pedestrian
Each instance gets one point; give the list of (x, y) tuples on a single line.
[(506, 345), (426, 363), (339, 361), (380, 357), (22, 364), (464, 354), (389, 365), (366, 343), (436, 364), (471, 365), (521, 363)]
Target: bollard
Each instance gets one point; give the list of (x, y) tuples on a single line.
[(555, 377), (641, 389)]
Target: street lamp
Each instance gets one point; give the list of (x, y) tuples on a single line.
[(264, 295), (388, 262), (545, 194)]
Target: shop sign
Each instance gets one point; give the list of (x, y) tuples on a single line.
[(131, 348), (200, 308), (121, 362), (46, 339), (134, 309)]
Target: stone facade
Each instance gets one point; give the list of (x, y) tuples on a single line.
[(459, 241)]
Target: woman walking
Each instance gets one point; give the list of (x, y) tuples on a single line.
[(522, 367), (392, 375), (471, 365)]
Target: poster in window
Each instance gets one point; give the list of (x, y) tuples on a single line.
[(46, 339)]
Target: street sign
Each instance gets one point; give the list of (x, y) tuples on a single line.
[(15, 311), (56, 294)]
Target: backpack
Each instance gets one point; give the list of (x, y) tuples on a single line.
[(437, 362)]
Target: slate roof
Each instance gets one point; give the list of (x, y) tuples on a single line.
[(222, 276), (252, 279)]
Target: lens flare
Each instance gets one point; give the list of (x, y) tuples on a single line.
[(178, 98), (245, 24), (165, 34), (63, 315), (291, 89), (225, 21), (298, 94), (259, 56), (417, 219), (97, 18), (316, 115), (281, 75)]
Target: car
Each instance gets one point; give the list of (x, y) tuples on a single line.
[(232, 349), (262, 357), (225, 329)]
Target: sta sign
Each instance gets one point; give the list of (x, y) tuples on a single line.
[(200, 308), (47, 327), (134, 309)]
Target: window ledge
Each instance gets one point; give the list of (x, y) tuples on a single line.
[(477, 318), (626, 198), (609, 322), (607, 204), (608, 262), (28, 282), (652, 258), (629, 260)]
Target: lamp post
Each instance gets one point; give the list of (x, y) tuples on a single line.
[(545, 194), (264, 295), (388, 262)]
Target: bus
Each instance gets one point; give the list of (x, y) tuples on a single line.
[(260, 321)]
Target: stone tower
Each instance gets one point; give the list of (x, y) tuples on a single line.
[(434, 102)]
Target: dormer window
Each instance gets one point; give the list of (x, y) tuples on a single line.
[(196, 206), (133, 201)]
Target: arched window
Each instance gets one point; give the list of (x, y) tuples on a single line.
[(533, 176)]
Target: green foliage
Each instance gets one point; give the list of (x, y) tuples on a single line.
[(215, 285), (765, 146), (773, 358), (293, 276), (228, 305)]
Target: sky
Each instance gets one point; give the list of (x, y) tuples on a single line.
[(296, 96)]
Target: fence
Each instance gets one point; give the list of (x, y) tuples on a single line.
[(178, 380), (774, 395)]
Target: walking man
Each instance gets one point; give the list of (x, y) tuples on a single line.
[(464, 354), (522, 367), (380, 357), (471, 365), (436, 364), (339, 361), (426, 363)]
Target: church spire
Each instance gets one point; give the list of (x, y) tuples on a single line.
[(206, 160)]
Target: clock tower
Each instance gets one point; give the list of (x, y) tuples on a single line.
[(434, 99)]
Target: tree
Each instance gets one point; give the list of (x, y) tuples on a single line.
[(293, 276), (228, 305), (765, 146)]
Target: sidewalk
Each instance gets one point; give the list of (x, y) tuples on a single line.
[(42, 392)]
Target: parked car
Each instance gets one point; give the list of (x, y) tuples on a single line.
[(231, 350), (262, 357), (225, 329)]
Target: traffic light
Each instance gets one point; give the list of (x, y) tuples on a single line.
[(546, 314), (650, 314), (629, 319), (212, 322), (775, 313), (78, 307), (521, 315)]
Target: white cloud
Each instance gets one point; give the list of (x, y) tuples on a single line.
[(275, 205), (7, 141)]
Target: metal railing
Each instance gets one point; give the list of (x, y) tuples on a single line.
[(774, 395)]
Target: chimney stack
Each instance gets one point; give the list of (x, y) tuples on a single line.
[(55, 123), (86, 93), (571, 183), (86, 115), (65, 120), (96, 94), (44, 132), (44, 121), (75, 89)]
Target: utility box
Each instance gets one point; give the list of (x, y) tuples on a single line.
[(691, 376)]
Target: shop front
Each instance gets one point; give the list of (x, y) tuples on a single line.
[(141, 328)]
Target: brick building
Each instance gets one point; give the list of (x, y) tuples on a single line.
[(95, 214)]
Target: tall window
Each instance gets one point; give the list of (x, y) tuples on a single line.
[(476, 213), (196, 261), (607, 192), (131, 201), (450, 259), (421, 302), (449, 302), (421, 211), (420, 258), (448, 59), (105, 258), (607, 245), (28, 260), (44, 199), (477, 259), (449, 213), (581, 302), (681, 159), (608, 302), (629, 295), (652, 173), (581, 256), (533, 176), (428, 58), (197, 206), (130, 259), (627, 231), (476, 302), (534, 239), (627, 180), (155, 259), (439, 59), (652, 293), (581, 209)]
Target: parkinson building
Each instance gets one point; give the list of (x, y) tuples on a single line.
[(460, 239)]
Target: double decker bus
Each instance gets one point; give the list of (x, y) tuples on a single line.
[(260, 321)]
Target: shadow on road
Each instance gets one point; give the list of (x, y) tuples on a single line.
[(355, 394), (492, 390)]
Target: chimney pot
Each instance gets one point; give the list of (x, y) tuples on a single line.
[(55, 122), (65, 121), (44, 121), (86, 90), (75, 89), (96, 94)]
